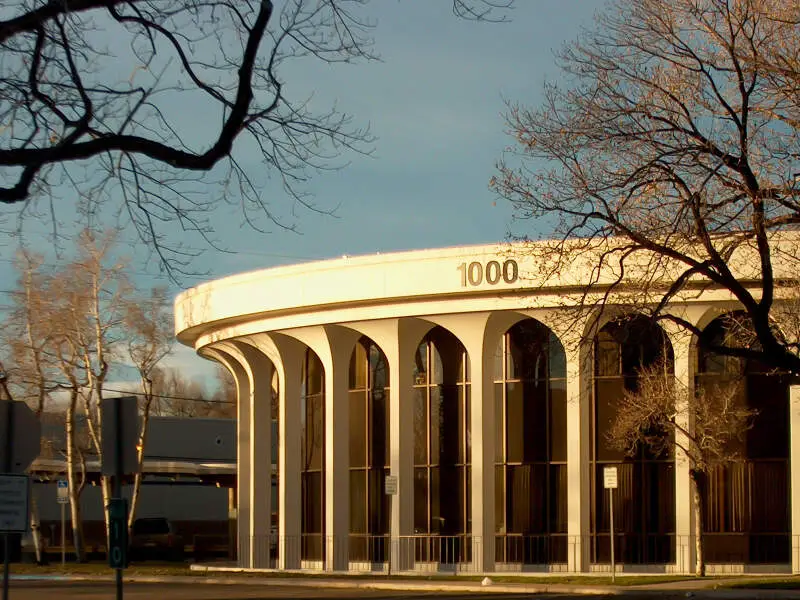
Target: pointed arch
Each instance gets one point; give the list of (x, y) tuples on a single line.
[(312, 464), (368, 390), (531, 450), (748, 503), (645, 497), (442, 446)]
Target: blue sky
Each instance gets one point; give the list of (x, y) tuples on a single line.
[(435, 102)]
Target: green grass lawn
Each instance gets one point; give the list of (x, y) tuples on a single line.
[(102, 568), (165, 569), (155, 569), (767, 583)]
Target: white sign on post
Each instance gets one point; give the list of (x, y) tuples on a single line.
[(610, 483), (390, 485), (63, 491), (610, 478), (13, 503)]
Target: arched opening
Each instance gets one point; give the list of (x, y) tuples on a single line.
[(312, 469), (369, 452), (442, 515), (274, 503), (531, 446), (747, 502), (644, 502)]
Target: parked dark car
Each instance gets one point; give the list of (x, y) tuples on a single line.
[(155, 538)]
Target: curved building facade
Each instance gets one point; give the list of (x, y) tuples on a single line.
[(446, 410)]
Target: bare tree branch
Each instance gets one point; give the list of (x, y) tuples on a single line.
[(668, 158)]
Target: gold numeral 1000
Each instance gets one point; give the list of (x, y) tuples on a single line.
[(474, 273)]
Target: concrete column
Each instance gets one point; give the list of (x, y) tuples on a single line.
[(289, 366), (483, 451), (337, 461), (794, 462), (259, 369), (334, 346), (224, 356), (479, 340), (578, 447), (399, 341), (685, 555)]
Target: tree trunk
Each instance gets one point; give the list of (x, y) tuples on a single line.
[(698, 481), (74, 496), (105, 488), (36, 533), (137, 480)]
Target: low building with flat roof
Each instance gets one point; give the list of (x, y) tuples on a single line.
[(448, 409)]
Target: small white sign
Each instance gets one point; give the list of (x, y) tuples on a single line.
[(390, 485), (63, 491), (14, 503), (610, 478)]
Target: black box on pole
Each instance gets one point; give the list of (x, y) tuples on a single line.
[(120, 418)]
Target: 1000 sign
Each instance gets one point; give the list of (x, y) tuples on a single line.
[(475, 273)]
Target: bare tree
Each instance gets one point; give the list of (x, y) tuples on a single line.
[(667, 162), (72, 379), (26, 336), (89, 90), (150, 336), (176, 395), (99, 293), (69, 324), (223, 400), (717, 418)]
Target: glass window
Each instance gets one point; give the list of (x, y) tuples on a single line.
[(312, 403), (747, 503), (530, 405), (358, 429), (645, 497), (369, 450), (441, 436)]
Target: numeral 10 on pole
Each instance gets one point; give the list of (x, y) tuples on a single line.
[(493, 272)]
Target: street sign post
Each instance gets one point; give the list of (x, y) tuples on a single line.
[(121, 417), (62, 487), (390, 487), (610, 482), (14, 503), (62, 496), (20, 436), (118, 533), (22, 433)]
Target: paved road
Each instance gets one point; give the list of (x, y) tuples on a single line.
[(80, 590), (75, 590)]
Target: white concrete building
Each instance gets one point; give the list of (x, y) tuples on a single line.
[(459, 375)]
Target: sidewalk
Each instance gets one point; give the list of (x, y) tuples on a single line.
[(697, 588), (690, 588)]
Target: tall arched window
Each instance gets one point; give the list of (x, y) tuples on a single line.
[(531, 446), (747, 503), (369, 452), (644, 504), (312, 413), (274, 415), (441, 448)]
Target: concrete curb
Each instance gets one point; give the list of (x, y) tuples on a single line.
[(655, 590)]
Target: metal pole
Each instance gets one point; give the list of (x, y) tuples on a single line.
[(611, 511), (63, 536), (389, 545), (7, 469), (118, 480), (6, 552)]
